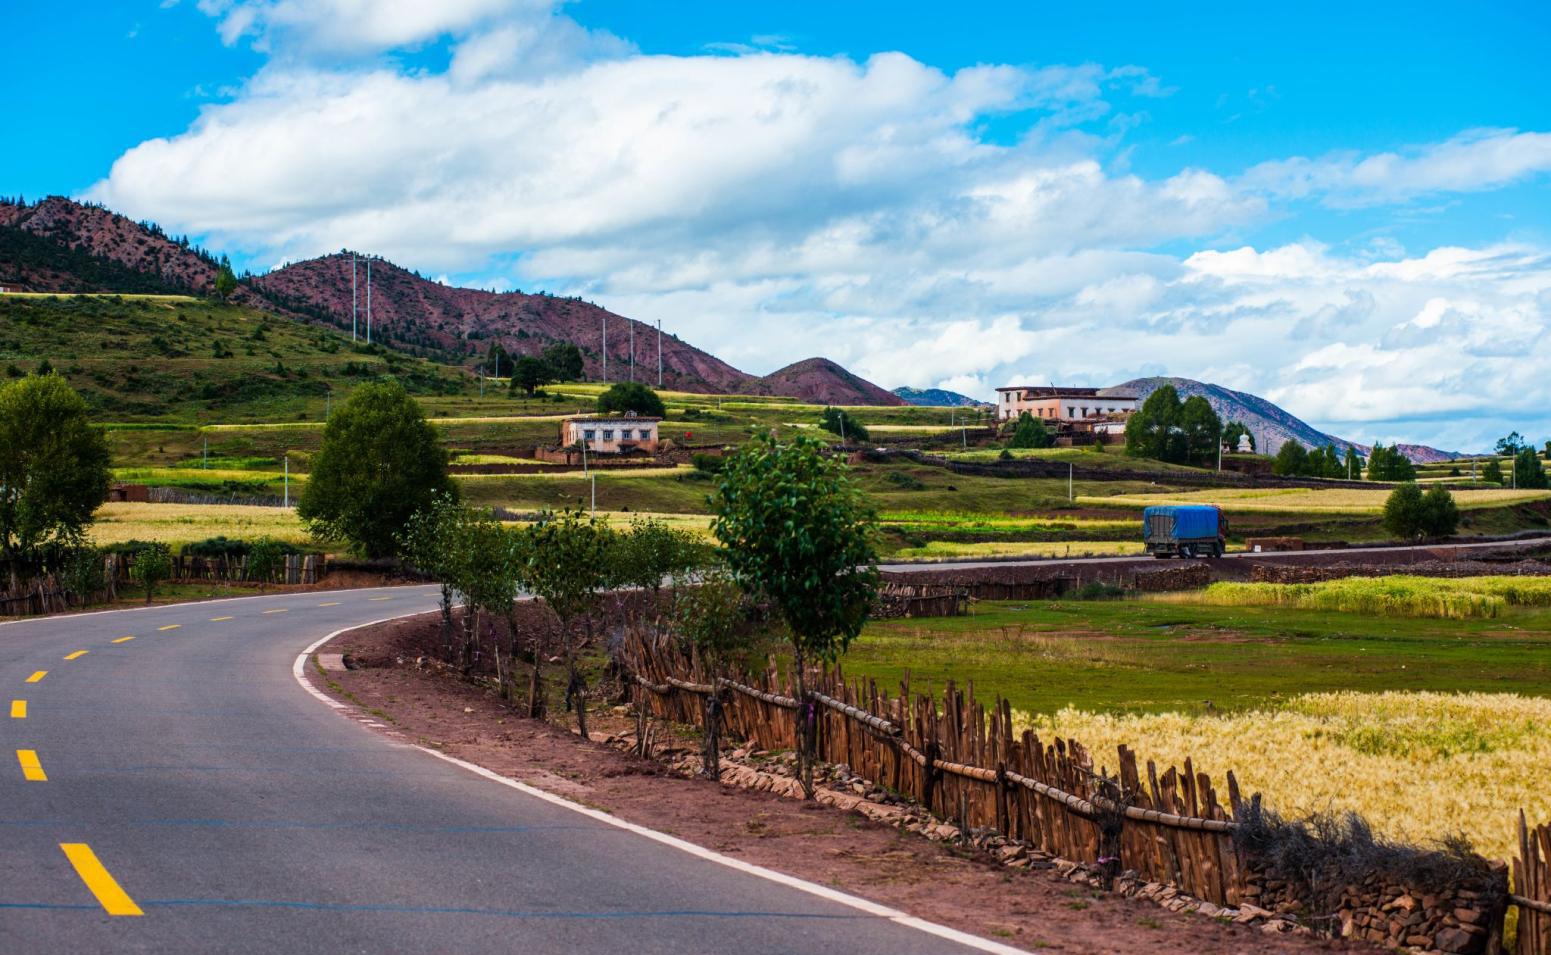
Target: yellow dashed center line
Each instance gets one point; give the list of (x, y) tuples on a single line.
[(331, 603), (18, 709), (278, 610), (32, 770), (114, 900), (170, 626), (122, 640), (37, 676), (375, 599), (219, 619), (76, 655)]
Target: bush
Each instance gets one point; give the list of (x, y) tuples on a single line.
[(1405, 512), (1030, 432), (707, 463), (150, 566), (630, 396), (837, 421)]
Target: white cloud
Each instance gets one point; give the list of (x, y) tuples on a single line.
[(357, 26), (1469, 162)]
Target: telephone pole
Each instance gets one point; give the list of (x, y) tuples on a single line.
[(354, 307), (632, 350), (605, 348), (368, 301), (659, 353)]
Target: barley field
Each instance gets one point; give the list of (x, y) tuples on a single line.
[(179, 524), (948, 550), (1444, 598), (1298, 500), (1419, 766)]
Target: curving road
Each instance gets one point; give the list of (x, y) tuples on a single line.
[(174, 788)]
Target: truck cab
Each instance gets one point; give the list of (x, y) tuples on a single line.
[(1185, 530)]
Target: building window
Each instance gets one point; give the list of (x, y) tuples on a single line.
[(1071, 412), (608, 434)]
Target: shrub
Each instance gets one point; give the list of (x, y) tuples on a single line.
[(630, 396), (707, 463), (1030, 432), (1405, 512), (837, 421), (151, 565)]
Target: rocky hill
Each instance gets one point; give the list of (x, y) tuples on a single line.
[(58, 245), (821, 381), (936, 398), (1271, 425)]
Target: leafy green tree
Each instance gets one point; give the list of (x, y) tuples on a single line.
[(380, 463), (565, 361), (81, 573), (1492, 473), (482, 566), (1030, 432), (1510, 445), (1388, 464), (839, 421), (497, 363), (225, 280), (1154, 430), (425, 543), (1292, 460), (652, 552), (266, 556), (1527, 470), (567, 567), (1201, 428), (796, 530), (1405, 512), (631, 396), (151, 565), (1352, 469), (54, 467), (1440, 515), (530, 374), (1330, 464)]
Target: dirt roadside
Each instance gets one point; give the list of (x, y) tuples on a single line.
[(965, 890)]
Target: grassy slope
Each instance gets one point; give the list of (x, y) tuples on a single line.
[(1134, 656)]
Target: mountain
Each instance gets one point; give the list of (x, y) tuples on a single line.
[(936, 398), (59, 245), (1271, 426), (821, 381)]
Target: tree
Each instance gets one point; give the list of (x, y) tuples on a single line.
[(1330, 465), (1492, 473), (1201, 429), (565, 361), (631, 396), (265, 556), (1292, 460), (151, 565), (838, 421), (425, 543), (530, 374), (54, 467), (1527, 470), (567, 565), (1440, 515), (1030, 432), (497, 363), (1388, 464), (651, 552), (1353, 468), (1405, 512), (1154, 430), (379, 464), (796, 530), (1510, 445), (225, 281)]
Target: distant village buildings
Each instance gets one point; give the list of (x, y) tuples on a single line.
[(8, 286), (1076, 415), (619, 434)]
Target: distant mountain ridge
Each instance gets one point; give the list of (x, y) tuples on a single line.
[(59, 245), (1271, 425), (936, 398)]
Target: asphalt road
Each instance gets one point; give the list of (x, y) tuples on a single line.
[(186, 775), (925, 566)]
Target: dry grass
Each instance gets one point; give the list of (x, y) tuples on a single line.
[(944, 550), (1419, 766), (178, 524), (1444, 598), (1308, 500)]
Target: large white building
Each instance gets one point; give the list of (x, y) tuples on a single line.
[(1059, 404), (611, 434)]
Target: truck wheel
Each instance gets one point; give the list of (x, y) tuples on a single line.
[(1188, 551), (1218, 549)]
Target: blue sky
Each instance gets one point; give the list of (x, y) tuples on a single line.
[(1340, 206)]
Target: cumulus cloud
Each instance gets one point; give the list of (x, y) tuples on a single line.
[(770, 206)]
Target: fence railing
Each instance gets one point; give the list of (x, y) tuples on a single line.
[(1532, 888)]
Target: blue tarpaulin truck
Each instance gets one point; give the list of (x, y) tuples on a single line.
[(1185, 530)]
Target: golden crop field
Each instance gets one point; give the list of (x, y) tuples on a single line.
[(1444, 598), (177, 524), (1296, 500), (1418, 766), (944, 550)]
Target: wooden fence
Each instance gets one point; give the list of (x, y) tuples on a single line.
[(46, 594), (1532, 882)]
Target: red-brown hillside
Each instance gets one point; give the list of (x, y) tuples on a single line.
[(821, 381)]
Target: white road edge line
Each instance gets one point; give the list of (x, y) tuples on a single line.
[(206, 603), (299, 671)]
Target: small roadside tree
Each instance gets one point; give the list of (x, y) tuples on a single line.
[(838, 421), (54, 467), (1030, 432), (1292, 460), (152, 564), (1440, 515), (426, 543), (381, 461), (529, 374), (265, 556), (564, 360), (1528, 471), (797, 531), (567, 559), (631, 396), (1405, 512)]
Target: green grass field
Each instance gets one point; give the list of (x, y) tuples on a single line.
[(1129, 656)]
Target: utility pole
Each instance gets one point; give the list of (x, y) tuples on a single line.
[(605, 348), (328, 404), (631, 326), (1219, 445), (368, 301), (1071, 495), (354, 308), (287, 499), (206, 463), (659, 353), (594, 495)]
